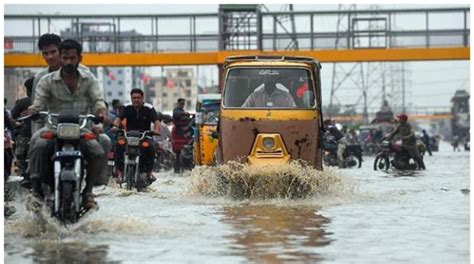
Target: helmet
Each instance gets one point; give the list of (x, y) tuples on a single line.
[(402, 117)]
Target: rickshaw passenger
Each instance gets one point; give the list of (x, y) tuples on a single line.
[(270, 94)]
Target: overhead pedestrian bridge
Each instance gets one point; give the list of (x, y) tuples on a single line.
[(208, 38)]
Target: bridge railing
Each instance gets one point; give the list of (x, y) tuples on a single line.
[(401, 28)]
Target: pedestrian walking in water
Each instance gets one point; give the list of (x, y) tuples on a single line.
[(427, 141), (455, 143)]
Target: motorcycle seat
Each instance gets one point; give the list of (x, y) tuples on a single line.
[(133, 133)]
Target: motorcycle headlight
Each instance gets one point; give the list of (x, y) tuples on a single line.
[(69, 131), (133, 141), (268, 143)]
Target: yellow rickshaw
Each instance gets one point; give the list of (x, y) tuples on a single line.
[(270, 111), (207, 115)]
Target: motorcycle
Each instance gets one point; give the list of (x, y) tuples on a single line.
[(164, 154), (64, 199), (183, 140), (352, 154), (134, 175), (187, 159), (393, 155)]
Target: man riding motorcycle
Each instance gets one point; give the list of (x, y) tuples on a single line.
[(139, 116), (340, 139), (180, 133), (74, 90), (23, 135), (407, 135)]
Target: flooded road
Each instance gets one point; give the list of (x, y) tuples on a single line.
[(372, 217)]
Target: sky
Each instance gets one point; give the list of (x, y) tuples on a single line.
[(179, 8), (428, 83)]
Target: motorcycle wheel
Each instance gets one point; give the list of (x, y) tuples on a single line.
[(359, 158), (157, 164), (141, 182), (130, 177), (381, 163), (353, 160), (66, 208), (168, 162)]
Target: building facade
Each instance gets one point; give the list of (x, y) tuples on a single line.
[(176, 83)]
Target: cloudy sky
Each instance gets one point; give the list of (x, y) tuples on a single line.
[(428, 83)]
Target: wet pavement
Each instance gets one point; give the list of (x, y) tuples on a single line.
[(371, 217)]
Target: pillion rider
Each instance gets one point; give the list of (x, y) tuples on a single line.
[(74, 90)]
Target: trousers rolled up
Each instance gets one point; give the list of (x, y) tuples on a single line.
[(341, 147)]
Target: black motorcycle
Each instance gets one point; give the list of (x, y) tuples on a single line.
[(164, 154), (134, 174), (187, 156), (187, 132), (393, 155), (64, 199), (352, 154)]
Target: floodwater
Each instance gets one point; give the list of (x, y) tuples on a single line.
[(345, 216)]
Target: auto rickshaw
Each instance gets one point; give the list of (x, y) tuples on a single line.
[(271, 111), (207, 116)]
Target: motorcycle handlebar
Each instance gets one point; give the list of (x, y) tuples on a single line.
[(142, 134), (85, 118)]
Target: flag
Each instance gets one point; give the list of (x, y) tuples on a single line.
[(145, 78), (8, 44), (109, 74), (170, 84), (300, 90)]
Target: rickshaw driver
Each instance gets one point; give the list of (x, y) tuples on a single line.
[(270, 94)]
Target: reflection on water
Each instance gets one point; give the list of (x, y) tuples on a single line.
[(274, 234), (68, 252)]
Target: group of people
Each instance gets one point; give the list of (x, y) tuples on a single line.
[(66, 85), (403, 129)]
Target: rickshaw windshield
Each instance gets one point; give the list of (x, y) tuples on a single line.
[(269, 88)]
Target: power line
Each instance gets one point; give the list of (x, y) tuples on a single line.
[(439, 69), (441, 81)]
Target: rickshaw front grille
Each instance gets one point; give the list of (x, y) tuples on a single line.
[(274, 154)]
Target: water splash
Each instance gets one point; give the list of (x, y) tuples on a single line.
[(128, 225), (242, 181), (36, 224)]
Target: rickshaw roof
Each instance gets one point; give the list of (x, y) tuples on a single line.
[(211, 97), (271, 60)]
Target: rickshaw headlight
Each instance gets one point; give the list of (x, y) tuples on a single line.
[(268, 143)]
